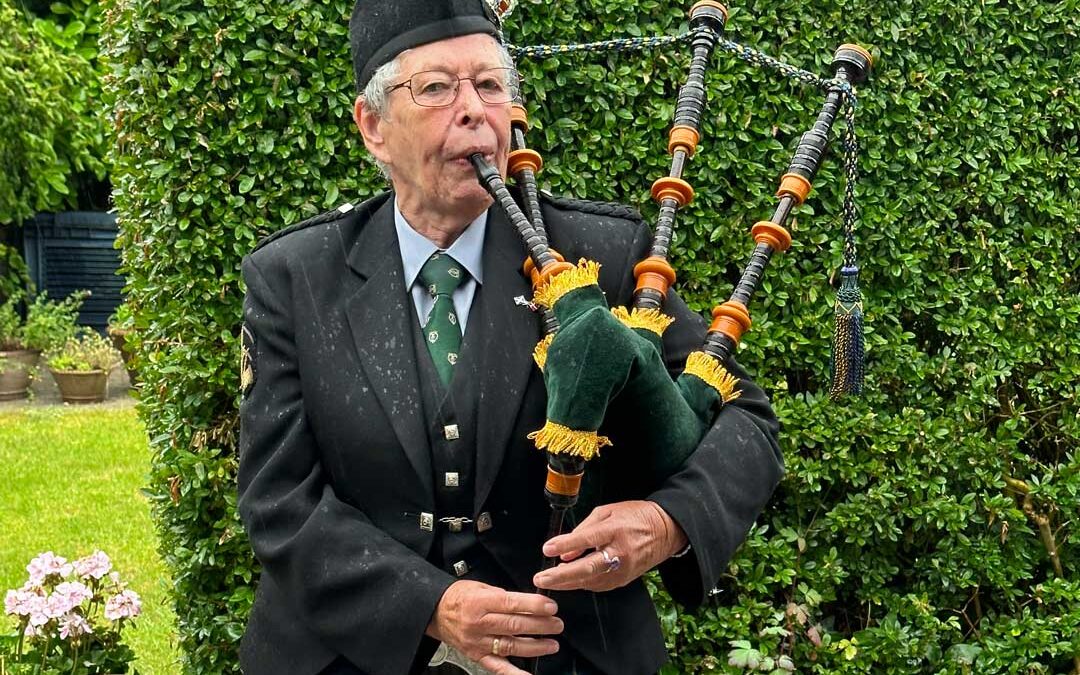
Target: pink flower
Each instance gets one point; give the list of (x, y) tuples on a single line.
[(73, 625), (21, 602), (45, 565), (38, 610), (95, 565), (13, 602), (67, 596), (124, 605)]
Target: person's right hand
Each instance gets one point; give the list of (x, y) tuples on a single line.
[(471, 616)]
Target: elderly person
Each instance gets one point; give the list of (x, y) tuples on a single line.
[(386, 480)]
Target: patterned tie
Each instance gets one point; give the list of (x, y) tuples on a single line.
[(441, 275)]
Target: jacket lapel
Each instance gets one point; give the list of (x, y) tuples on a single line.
[(379, 315), (507, 363)]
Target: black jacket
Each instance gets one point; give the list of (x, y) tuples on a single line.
[(335, 465)]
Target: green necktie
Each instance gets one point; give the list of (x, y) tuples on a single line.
[(441, 275)]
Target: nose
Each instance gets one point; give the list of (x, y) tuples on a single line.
[(470, 109)]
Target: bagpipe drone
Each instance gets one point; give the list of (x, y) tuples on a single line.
[(594, 357)]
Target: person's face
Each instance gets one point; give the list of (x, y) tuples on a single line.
[(427, 149)]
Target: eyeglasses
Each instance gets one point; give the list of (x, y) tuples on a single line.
[(438, 89)]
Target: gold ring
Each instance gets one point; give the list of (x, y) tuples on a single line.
[(495, 647)]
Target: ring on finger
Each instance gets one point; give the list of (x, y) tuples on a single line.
[(495, 644), (612, 561)]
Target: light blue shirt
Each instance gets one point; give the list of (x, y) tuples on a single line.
[(467, 250)]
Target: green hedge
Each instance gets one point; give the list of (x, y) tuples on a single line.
[(899, 541), (50, 113)]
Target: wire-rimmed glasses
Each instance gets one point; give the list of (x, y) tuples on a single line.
[(438, 88)]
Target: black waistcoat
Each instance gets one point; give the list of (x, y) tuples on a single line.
[(450, 413)]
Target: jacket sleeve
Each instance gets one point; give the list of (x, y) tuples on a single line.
[(361, 592), (723, 487)]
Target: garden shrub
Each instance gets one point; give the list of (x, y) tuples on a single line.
[(50, 114), (912, 532)]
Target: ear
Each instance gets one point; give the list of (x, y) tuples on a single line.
[(370, 127)]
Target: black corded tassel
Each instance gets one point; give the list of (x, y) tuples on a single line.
[(847, 353)]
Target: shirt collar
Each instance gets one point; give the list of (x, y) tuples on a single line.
[(467, 249)]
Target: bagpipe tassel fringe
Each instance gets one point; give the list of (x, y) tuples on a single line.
[(586, 273), (652, 320), (714, 374), (560, 440), (847, 356), (540, 351)]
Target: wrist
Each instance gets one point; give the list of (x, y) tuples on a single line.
[(442, 608), (676, 543)]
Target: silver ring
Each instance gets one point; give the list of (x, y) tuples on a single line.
[(495, 647), (612, 561)]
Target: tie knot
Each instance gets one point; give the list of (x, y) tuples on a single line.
[(441, 274)]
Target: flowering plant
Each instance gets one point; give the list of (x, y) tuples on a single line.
[(69, 617), (84, 352)]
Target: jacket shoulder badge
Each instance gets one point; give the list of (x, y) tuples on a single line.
[(247, 360), (329, 216)]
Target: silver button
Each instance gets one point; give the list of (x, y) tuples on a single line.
[(451, 479), (460, 568), (427, 521), (450, 431), (483, 522)]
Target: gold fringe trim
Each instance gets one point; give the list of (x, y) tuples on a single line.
[(560, 440), (541, 349), (713, 374), (649, 319), (585, 274)]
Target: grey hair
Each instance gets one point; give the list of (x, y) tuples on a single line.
[(376, 97)]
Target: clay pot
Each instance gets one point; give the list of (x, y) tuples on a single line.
[(82, 386), (119, 340), (15, 376)]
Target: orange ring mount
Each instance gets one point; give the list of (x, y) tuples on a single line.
[(524, 158), (567, 485), (684, 137), (713, 4), (549, 271), (670, 187), (795, 186), (731, 319), (655, 273), (518, 115), (859, 48), (530, 269), (768, 232)]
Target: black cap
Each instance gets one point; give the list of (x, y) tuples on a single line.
[(379, 30)]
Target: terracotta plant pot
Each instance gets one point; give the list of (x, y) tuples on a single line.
[(119, 340), (15, 374), (82, 386)]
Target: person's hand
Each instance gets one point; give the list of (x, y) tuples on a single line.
[(638, 534), (471, 616)]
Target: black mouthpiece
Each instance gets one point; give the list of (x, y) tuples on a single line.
[(484, 171)]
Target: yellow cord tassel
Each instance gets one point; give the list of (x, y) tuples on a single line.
[(540, 351), (649, 319), (560, 440), (713, 374), (586, 273)]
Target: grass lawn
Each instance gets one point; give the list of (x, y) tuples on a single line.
[(71, 484)]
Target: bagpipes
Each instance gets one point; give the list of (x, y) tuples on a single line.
[(598, 360)]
